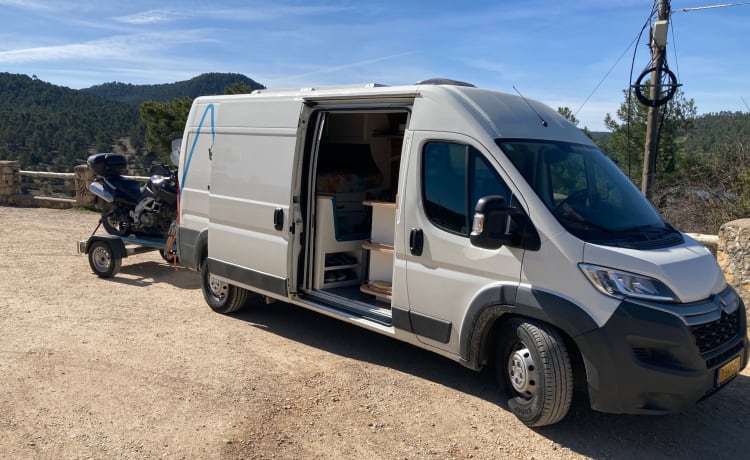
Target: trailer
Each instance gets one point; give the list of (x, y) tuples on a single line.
[(105, 252)]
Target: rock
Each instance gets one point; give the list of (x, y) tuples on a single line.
[(733, 255)]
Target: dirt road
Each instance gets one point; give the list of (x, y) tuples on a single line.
[(139, 367)]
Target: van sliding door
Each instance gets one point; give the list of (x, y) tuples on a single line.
[(252, 165)]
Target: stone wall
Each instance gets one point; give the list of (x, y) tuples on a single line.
[(10, 180), (733, 255), (11, 192)]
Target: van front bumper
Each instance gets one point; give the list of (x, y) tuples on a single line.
[(662, 358)]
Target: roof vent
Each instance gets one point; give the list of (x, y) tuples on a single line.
[(444, 81)]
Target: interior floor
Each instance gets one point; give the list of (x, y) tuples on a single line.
[(354, 293)]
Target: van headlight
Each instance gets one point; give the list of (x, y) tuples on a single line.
[(620, 284)]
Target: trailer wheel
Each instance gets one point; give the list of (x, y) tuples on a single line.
[(103, 261), (533, 369), (220, 296)]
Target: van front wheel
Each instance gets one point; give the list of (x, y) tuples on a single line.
[(533, 369), (220, 296)]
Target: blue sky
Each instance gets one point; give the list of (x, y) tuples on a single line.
[(553, 51)]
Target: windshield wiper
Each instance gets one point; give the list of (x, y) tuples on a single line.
[(649, 229), (582, 221)]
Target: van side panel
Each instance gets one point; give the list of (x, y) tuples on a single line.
[(194, 168), (251, 181)]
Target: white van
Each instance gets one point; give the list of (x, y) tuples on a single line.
[(479, 225)]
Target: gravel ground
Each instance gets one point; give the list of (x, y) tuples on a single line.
[(138, 366)]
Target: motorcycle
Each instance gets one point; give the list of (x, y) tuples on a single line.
[(131, 208)]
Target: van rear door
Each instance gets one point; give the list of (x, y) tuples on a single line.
[(252, 168)]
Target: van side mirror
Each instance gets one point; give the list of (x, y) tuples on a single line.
[(174, 155), (489, 230)]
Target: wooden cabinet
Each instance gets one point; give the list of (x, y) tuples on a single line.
[(379, 249), (337, 263)]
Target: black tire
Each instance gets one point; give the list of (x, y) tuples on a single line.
[(220, 296), (114, 225), (533, 369), (103, 261)]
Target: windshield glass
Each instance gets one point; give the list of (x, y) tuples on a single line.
[(586, 192)]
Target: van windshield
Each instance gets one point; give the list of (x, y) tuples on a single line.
[(588, 194)]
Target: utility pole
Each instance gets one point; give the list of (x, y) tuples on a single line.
[(652, 122)]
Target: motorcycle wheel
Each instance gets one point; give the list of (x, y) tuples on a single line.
[(115, 226)]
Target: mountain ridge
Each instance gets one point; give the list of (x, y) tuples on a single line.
[(203, 84), (52, 127)]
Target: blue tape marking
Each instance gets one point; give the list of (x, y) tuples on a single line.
[(195, 142)]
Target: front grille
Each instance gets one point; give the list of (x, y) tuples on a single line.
[(710, 336), (724, 355), (644, 354)]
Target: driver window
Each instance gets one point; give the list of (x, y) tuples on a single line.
[(485, 181), (454, 177)]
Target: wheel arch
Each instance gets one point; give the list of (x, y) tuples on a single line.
[(497, 304), (200, 248), (115, 243), (192, 246)]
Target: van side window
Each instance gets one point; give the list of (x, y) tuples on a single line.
[(454, 177)]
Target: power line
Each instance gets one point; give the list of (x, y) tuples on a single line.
[(636, 39), (674, 52), (711, 7), (606, 75)]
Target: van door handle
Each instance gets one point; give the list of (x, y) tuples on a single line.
[(416, 241), (278, 219)]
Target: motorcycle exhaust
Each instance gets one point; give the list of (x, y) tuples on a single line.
[(98, 189)]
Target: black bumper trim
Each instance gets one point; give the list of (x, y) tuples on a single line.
[(646, 360)]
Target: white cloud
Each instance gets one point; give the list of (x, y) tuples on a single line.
[(342, 67), (27, 5), (129, 48), (149, 17)]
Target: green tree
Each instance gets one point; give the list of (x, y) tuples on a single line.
[(625, 144), (164, 121), (568, 114), (712, 189), (239, 87)]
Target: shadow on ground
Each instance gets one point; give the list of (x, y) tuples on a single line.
[(143, 273), (715, 428)]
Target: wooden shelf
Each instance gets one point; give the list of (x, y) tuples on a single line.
[(367, 288), (377, 247), (380, 250), (382, 204), (339, 267)]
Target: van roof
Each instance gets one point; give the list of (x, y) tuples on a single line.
[(310, 89), (500, 114), (430, 81)]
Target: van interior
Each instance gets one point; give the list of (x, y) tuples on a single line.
[(354, 158)]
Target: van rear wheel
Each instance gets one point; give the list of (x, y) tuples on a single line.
[(220, 296), (533, 369)]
